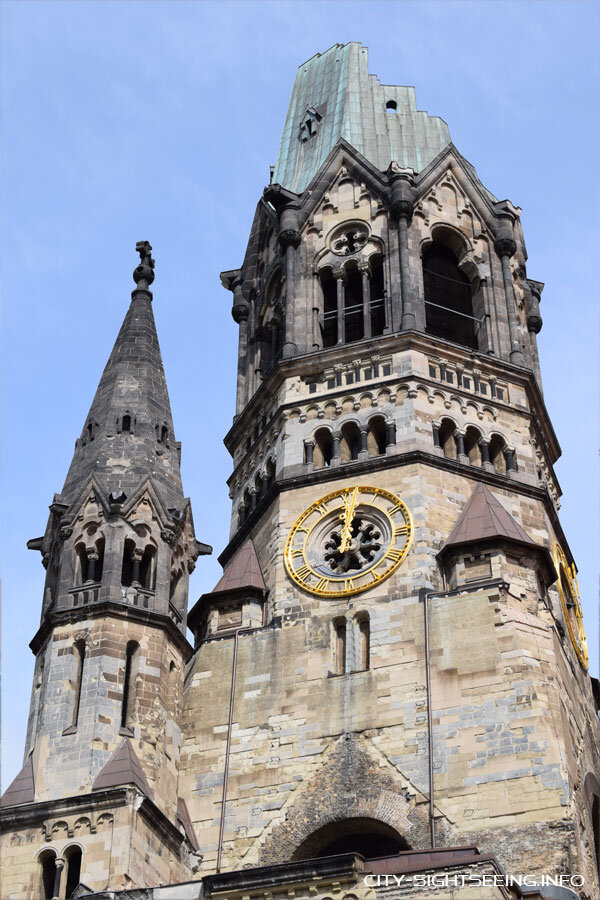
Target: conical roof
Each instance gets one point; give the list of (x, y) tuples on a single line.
[(128, 433), (123, 767), (243, 571), (484, 518), (21, 789)]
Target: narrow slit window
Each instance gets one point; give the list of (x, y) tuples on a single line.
[(364, 644), (128, 702), (340, 647), (80, 660)]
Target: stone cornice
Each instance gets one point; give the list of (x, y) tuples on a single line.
[(318, 872), (109, 609), (309, 363)]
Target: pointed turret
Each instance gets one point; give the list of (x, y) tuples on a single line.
[(128, 432)]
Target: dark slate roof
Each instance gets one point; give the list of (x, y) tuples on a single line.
[(242, 572), (123, 767), (183, 817), (133, 383), (22, 789), (484, 518)]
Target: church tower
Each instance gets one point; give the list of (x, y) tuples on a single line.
[(399, 610), (96, 801)]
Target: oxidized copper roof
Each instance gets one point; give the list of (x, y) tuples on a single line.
[(123, 767), (484, 518), (22, 789), (242, 572)]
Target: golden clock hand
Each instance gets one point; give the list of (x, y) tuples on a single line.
[(346, 531)]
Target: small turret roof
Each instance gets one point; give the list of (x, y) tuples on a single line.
[(484, 518), (123, 767), (22, 788), (243, 571)]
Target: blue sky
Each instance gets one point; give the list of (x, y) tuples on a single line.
[(126, 121)]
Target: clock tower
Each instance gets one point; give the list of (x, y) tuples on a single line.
[(398, 617)]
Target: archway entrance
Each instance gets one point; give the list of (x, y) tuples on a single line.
[(369, 837)]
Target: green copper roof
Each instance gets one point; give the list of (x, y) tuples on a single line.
[(335, 97)]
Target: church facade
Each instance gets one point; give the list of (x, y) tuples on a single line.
[(389, 684)]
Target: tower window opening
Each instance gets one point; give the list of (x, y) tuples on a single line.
[(269, 474), (79, 652), (90, 431), (370, 837), (329, 326), (472, 448), (73, 858), (391, 106), (126, 424), (323, 451), (377, 296), (353, 306), (147, 568), (596, 828), (448, 299), (47, 861), (127, 566), (340, 646), (364, 642), (447, 439), (128, 702), (164, 435), (350, 442), (377, 437), (496, 451)]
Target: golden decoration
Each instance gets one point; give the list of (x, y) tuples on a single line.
[(568, 591), (348, 541)]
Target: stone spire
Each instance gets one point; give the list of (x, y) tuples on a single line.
[(128, 433)]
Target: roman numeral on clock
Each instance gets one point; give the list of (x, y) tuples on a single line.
[(400, 529), (303, 572), (393, 554)]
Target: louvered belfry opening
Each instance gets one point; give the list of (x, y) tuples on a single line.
[(448, 299)]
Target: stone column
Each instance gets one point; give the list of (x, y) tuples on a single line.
[(365, 271), (484, 446), (402, 209), (135, 572), (240, 313), (390, 430), (363, 447), (534, 325), (309, 449), (459, 437), (335, 455), (339, 276), (92, 556), (505, 247), (289, 239), (436, 436), (509, 458), (60, 864)]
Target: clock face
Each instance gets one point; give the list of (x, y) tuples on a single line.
[(571, 604), (348, 541)]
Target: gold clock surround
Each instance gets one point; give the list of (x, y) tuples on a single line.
[(348, 541), (568, 591)]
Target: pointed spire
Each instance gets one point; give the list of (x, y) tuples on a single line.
[(242, 572), (484, 518), (128, 433)]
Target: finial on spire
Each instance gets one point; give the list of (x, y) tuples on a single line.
[(143, 275)]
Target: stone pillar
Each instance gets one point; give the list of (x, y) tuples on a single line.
[(335, 455), (60, 864), (436, 436), (135, 572), (365, 270), (505, 247), (402, 209), (484, 446), (509, 458), (339, 276), (390, 430), (534, 325), (289, 239), (309, 449), (459, 437), (92, 556), (363, 447)]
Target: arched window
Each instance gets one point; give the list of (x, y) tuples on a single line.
[(350, 442), (364, 642), (496, 452), (377, 436), (245, 506), (447, 439), (340, 646), (128, 702), (79, 653), (47, 875), (329, 288), (164, 435), (323, 451), (448, 300), (126, 424), (73, 864), (127, 566), (391, 106), (472, 448), (369, 837), (81, 566)]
